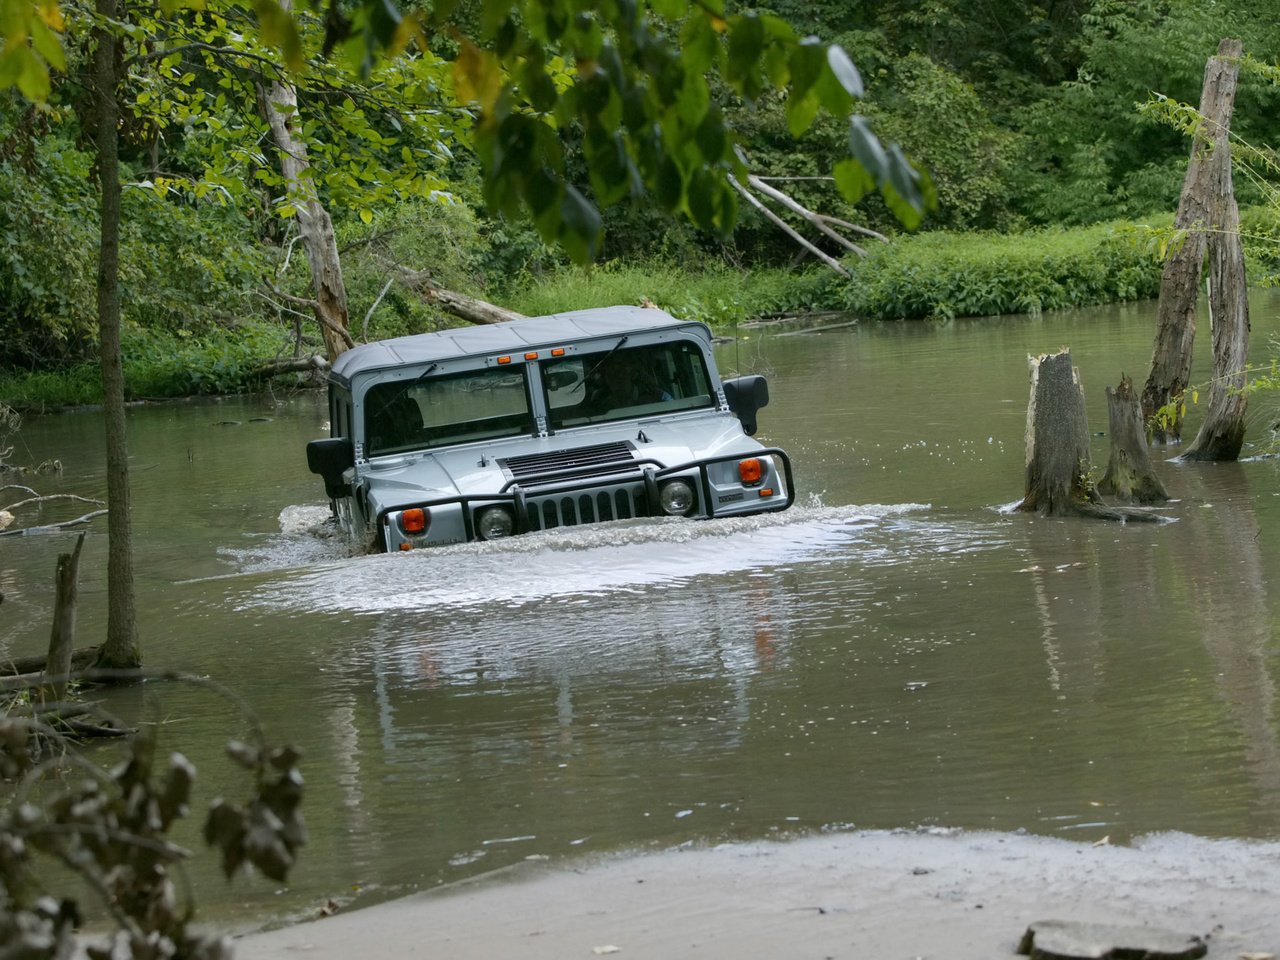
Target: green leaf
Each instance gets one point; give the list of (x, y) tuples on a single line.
[(746, 44), (844, 71), (280, 30), (852, 180), (865, 147), (801, 111), (366, 215), (580, 226)]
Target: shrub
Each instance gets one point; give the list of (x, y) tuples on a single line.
[(944, 275)]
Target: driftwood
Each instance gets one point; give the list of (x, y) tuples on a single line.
[(1130, 476), (81, 659), (452, 302), (272, 368), (1059, 464), (47, 527), (1199, 219)]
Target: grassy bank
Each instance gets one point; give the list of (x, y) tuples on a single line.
[(926, 276)]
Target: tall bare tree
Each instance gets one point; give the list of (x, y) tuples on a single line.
[(120, 650)]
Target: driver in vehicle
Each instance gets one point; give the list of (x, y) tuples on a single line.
[(626, 380)]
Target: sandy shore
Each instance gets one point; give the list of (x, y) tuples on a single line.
[(872, 896)]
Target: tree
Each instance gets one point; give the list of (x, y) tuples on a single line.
[(120, 648)]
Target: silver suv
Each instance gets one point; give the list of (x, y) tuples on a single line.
[(484, 432)]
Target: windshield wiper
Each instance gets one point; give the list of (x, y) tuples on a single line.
[(403, 391), (603, 360)]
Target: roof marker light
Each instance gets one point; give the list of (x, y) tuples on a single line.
[(531, 356), (557, 351), (504, 359)]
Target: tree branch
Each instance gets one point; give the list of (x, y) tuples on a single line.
[(786, 228)]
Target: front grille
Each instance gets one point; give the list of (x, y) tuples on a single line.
[(594, 461), (572, 509)]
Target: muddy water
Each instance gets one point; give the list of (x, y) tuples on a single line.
[(893, 651)]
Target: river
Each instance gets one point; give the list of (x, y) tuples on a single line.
[(894, 651)]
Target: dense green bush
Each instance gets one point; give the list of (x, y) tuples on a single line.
[(183, 266), (714, 294), (159, 365), (944, 275)]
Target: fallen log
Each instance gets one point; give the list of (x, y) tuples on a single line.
[(81, 660), (1058, 464), (452, 302), (1130, 476)]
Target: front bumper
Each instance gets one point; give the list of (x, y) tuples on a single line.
[(571, 500)]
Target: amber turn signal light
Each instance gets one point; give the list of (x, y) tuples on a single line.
[(413, 520), (750, 471)]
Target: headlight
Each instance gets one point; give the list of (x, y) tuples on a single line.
[(493, 523), (676, 498)]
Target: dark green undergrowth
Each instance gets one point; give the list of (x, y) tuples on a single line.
[(945, 275), (715, 294), (159, 365)]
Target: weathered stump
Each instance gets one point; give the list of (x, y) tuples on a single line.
[(62, 636), (1199, 216), (1058, 480), (1058, 460), (1130, 477), (1222, 434)]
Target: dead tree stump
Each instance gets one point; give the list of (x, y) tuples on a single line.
[(1130, 477), (1058, 458), (1221, 436), (62, 636), (1200, 211)]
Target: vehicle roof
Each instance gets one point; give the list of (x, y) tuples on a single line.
[(512, 335)]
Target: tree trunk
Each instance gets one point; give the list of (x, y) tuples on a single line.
[(1058, 481), (120, 650), (1222, 434), (62, 636), (1058, 460), (1207, 173), (1130, 477), (279, 107)]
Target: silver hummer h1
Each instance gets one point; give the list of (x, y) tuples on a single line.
[(484, 432)]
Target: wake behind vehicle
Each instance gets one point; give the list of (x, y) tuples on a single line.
[(484, 432)]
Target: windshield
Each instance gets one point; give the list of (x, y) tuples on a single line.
[(453, 408), (624, 383)]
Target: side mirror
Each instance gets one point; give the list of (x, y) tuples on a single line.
[(330, 458), (746, 395)]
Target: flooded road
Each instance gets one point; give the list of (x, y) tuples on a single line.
[(893, 651)]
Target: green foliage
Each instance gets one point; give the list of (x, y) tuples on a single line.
[(159, 364), (952, 135), (715, 294), (185, 265), (941, 275)]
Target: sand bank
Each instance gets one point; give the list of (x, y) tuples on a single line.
[(871, 896)]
